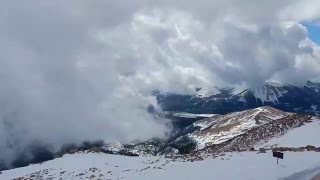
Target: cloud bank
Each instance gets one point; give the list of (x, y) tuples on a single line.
[(83, 70)]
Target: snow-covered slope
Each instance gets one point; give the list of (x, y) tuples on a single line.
[(241, 166), (207, 92), (263, 134), (314, 86), (299, 137), (269, 92), (218, 129)]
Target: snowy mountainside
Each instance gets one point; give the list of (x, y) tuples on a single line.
[(262, 134), (229, 166), (269, 92), (219, 129), (207, 92), (314, 86), (297, 137)]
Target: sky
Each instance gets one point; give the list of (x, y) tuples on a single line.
[(81, 70), (313, 31)]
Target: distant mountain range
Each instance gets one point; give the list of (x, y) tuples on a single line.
[(289, 98)]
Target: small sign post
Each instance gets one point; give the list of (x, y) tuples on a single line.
[(278, 155)]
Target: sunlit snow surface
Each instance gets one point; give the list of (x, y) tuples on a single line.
[(246, 166), (307, 134)]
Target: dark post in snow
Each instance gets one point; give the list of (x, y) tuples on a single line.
[(278, 155)]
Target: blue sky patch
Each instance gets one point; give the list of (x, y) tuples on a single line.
[(314, 31)]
